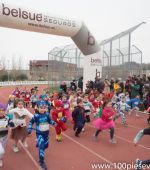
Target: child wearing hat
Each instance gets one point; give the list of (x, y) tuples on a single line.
[(4, 123), (42, 120)]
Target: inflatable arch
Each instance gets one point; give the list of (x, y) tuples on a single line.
[(30, 20)]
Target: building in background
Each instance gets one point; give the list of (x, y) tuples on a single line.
[(54, 70)]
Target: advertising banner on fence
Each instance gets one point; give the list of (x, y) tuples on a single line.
[(92, 68)]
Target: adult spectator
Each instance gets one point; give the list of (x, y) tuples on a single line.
[(73, 85), (63, 87), (80, 83), (134, 89)]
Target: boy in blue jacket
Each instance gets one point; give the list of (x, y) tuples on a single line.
[(135, 104), (42, 120), (79, 117)]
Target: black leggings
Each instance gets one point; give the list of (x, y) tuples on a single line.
[(146, 131), (78, 128), (112, 131)]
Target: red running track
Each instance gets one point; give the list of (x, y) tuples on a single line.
[(80, 153)]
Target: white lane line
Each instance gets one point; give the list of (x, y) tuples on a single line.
[(119, 137), (89, 150), (30, 156), (86, 148)]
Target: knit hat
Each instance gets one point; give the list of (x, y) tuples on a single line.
[(2, 106)]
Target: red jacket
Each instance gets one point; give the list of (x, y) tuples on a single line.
[(107, 113), (58, 114)]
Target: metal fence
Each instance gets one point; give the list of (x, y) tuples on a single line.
[(120, 57)]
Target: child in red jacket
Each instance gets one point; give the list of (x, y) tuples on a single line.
[(58, 115), (105, 121)]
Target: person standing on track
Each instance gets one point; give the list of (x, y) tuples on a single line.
[(42, 120)]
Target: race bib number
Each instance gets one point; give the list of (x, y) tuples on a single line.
[(44, 127), (3, 123), (136, 103), (86, 107), (20, 122), (66, 106)]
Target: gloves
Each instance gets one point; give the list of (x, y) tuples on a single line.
[(11, 124), (29, 130), (63, 119)]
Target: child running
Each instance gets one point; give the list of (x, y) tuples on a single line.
[(4, 123), (105, 122), (122, 110), (87, 107), (19, 118), (58, 115), (135, 104), (79, 118), (42, 120)]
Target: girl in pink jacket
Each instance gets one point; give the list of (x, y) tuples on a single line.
[(105, 121)]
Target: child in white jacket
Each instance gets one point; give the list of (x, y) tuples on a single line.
[(19, 119)]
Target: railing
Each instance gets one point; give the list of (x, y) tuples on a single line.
[(19, 83)]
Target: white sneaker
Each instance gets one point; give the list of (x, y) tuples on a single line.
[(112, 141), (1, 163), (137, 115), (25, 144), (83, 130), (15, 149)]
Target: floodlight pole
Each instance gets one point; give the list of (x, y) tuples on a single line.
[(129, 54), (8, 71), (48, 70), (141, 64)]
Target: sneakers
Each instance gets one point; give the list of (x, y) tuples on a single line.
[(125, 124), (43, 166), (58, 138), (112, 141), (15, 149), (83, 130), (138, 164), (1, 163), (148, 120), (137, 115), (77, 135), (25, 144)]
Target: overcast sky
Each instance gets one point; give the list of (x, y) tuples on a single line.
[(104, 18)]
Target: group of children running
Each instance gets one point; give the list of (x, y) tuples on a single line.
[(56, 109)]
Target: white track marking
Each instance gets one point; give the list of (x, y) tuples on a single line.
[(119, 137), (30, 156)]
